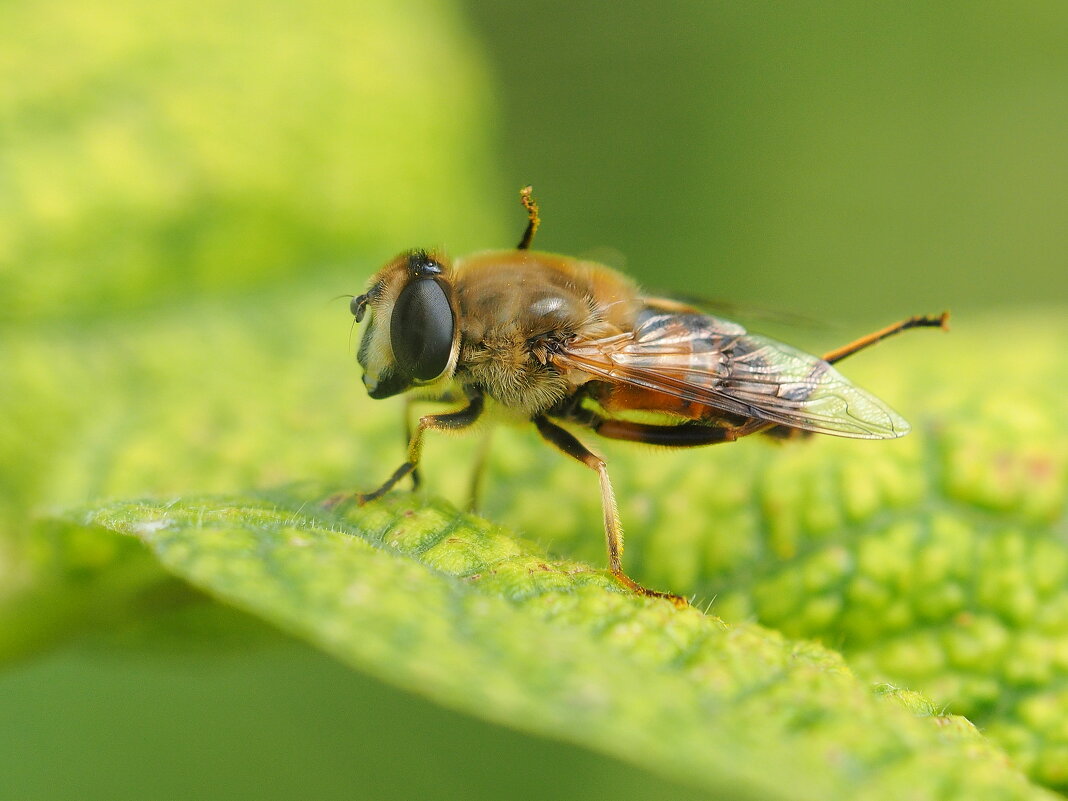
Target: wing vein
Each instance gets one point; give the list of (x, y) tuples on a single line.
[(704, 360)]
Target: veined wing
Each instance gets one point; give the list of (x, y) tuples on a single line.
[(710, 361)]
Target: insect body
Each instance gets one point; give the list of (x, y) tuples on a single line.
[(557, 342)]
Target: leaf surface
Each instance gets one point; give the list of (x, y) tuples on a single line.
[(451, 607)]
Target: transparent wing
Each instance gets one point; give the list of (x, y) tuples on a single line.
[(710, 361)]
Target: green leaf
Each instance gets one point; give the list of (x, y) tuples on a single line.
[(449, 606), (821, 539), (940, 565), (938, 562)]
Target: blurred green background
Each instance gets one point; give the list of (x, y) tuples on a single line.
[(183, 186), (837, 159)]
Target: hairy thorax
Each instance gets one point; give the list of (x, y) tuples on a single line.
[(516, 307)]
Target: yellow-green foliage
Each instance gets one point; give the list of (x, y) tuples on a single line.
[(155, 150)]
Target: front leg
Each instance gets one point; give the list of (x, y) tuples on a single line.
[(409, 402), (448, 421)]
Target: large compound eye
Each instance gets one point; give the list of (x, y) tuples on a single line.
[(421, 329)]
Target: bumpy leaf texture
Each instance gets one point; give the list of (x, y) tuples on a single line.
[(456, 609)]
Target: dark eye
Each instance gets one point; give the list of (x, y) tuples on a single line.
[(421, 329)]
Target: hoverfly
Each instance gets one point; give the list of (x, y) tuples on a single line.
[(556, 341)]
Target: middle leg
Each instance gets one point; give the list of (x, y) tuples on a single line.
[(613, 529)]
